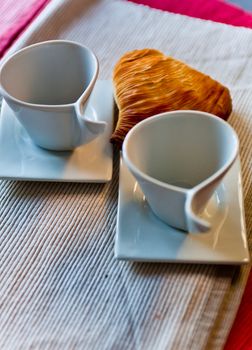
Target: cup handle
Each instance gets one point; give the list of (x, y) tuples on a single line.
[(194, 223), (94, 126)]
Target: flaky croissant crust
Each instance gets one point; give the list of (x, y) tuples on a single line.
[(146, 83)]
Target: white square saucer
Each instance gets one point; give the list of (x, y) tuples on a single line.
[(21, 159), (141, 236)]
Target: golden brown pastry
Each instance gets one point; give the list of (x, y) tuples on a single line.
[(146, 83)]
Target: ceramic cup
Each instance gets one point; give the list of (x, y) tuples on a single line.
[(47, 86), (178, 159)]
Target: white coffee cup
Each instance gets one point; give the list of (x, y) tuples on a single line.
[(178, 159), (47, 85)]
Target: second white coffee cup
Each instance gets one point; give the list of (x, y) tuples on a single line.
[(178, 159)]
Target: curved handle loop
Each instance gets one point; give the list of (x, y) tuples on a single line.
[(194, 223), (94, 126)]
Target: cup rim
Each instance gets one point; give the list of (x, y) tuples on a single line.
[(87, 91), (175, 114)]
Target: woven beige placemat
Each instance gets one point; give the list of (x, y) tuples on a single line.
[(60, 286)]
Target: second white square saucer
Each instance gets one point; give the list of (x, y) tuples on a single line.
[(141, 236)]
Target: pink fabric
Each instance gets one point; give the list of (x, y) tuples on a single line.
[(240, 337), (15, 17), (215, 10)]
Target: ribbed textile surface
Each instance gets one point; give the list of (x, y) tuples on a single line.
[(60, 286)]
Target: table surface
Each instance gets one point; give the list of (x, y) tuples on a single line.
[(246, 4)]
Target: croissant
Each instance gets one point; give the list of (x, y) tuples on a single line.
[(146, 82)]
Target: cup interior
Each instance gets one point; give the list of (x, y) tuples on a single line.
[(50, 73), (180, 148)]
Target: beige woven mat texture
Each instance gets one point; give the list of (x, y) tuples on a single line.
[(60, 286)]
